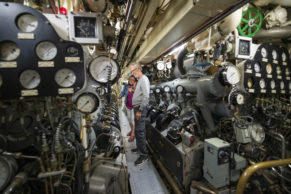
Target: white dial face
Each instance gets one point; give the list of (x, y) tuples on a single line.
[(269, 68), (160, 66), (27, 23), (157, 90), (273, 84), (180, 89), (87, 103), (257, 133), (101, 91), (46, 50), (169, 65), (100, 68), (274, 54), (65, 77), (250, 82), (29, 79), (262, 84), (264, 52), (257, 67), (232, 75), (240, 99), (9, 51), (167, 89), (287, 72), (284, 56), (278, 70), (249, 66), (282, 85)]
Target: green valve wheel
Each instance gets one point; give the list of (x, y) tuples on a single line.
[(251, 22)]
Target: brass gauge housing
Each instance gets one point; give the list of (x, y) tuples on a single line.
[(269, 68), (278, 70)]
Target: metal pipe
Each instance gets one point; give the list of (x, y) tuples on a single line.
[(278, 32), (168, 176), (196, 185), (253, 168), (282, 138), (284, 3), (52, 173)]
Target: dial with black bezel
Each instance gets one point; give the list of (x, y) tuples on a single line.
[(273, 84), (72, 51), (284, 56), (46, 50), (9, 51), (87, 103), (65, 77), (101, 67), (274, 55), (85, 27), (27, 23), (30, 79), (160, 66), (250, 82), (282, 85), (158, 90), (180, 89), (232, 74), (269, 68), (262, 84), (264, 52), (257, 67)]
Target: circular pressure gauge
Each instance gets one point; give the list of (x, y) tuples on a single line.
[(273, 84), (257, 67), (167, 89), (249, 66), (160, 66), (250, 82), (278, 70), (232, 75), (257, 133), (180, 89), (72, 51), (262, 84), (29, 79), (158, 90), (269, 68), (284, 56), (240, 99), (287, 72), (87, 103), (100, 91), (27, 23), (46, 50), (274, 55), (101, 67), (9, 51), (169, 65), (264, 52), (282, 85), (65, 77)]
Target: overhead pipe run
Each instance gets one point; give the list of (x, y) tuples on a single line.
[(278, 32), (284, 3)]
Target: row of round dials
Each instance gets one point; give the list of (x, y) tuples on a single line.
[(45, 50), (269, 68), (275, 56), (263, 84), (31, 79)]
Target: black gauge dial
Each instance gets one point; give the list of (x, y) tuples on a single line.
[(72, 51), (85, 27)]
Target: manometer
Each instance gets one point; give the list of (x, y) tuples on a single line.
[(169, 65), (236, 98), (160, 66), (29, 79), (240, 99), (27, 23), (257, 67), (103, 68), (87, 103), (282, 85), (167, 89), (65, 77), (46, 50), (158, 90), (250, 82), (278, 70), (85, 27), (249, 66), (264, 52), (257, 133), (72, 51), (269, 68), (287, 72), (100, 91), (180, 89), (284, 56), (262, 84), (9, 51), (273, 84), (274, 55), (232, 74)]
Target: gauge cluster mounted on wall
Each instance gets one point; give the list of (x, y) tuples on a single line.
[(34, 61), (269, 71)]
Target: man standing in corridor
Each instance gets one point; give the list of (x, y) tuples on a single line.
[(140, 102)]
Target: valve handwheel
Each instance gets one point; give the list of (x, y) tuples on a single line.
[(251, 22)]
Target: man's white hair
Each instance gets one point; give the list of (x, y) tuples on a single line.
[(136, 65)]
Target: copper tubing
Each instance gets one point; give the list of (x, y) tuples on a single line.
[(253, 168), (201, 188), (168, 176)]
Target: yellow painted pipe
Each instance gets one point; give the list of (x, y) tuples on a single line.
[(253, 168)]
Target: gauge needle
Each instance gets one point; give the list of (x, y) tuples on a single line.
[(30, 80), (66, 78), (84, 104)]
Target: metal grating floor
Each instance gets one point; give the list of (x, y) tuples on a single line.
[(143, 179)]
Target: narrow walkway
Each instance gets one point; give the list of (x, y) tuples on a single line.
[(143, 179)]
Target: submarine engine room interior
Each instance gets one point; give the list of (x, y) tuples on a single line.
[(219, 110)]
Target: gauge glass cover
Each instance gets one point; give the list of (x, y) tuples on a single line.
[(250, 82), (160, 66), (240, 99), (85, 27), (257, 133), (282, 85), (269, 68), (232, 75), (29, 79), (257, 67), (9, 51), (264, 52), (87, 103), (65, 77), (278, 69), (284, 56), (46, 50), (27, 23), (274, 55), (273, 84), (262, 84)]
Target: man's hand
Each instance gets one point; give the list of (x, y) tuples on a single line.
[(137, 115)]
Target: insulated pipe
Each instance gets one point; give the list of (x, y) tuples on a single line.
[(278, 32), (284, 3), (180, 61)]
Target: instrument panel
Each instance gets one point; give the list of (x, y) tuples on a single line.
[(34, 60), (269, 71)]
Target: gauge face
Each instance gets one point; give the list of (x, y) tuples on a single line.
[(72, 51), (262, 84), (169, 65), (250, 82), (160, 66), (274, 54), (232, 75), (46, 50), (29, 79), (269, 68), (264, 52), (85, 27), (100, 91), (180, 89), (27, 23), (101, 67), (167, 89), (240, 99), (9, 51), (249, 66), (257, 133), (282, 85), (287, 72), (273, 84), (284, 56), (257, 67), (87, 103), (278, 70), (65, 77), (158, 90)]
